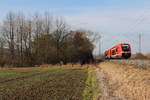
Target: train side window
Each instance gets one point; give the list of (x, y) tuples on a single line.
[(116, 49), (113, 52), (105, 53)]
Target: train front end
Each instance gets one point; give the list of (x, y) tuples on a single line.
[(126, 51)]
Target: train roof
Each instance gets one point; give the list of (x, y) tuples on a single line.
[(118, 45), (121, 44)]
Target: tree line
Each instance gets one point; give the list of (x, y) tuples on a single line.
[(42, 39)]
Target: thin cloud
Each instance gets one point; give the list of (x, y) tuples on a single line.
[(112, 22), (115, 26)]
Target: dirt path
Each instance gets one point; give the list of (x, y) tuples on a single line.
[(123, 82)]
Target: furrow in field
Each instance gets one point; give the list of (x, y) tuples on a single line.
[(22, 77)]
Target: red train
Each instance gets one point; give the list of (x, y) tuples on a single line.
[(122, 50)]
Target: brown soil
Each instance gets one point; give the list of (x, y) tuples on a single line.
[(124, 82)]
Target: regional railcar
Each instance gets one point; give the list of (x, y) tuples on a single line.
[(122, 50)]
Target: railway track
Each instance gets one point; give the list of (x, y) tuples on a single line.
[(136, 62)]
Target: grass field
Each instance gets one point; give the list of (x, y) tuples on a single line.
[(67, 83)]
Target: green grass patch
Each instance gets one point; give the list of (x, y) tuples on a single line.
[(48, 83), (92, 88), (42, 83)]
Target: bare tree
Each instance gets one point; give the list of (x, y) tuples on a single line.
[(38, 30), (43, 39), (2, 45), (47, 23), (92, 36), (8, 31), (60, 34)]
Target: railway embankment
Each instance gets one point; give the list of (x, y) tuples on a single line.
[(123, 81), (134, 62)]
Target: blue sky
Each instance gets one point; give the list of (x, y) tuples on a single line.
[(116, 20), (71, 6)]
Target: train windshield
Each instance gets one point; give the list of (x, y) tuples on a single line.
[(125, 48)]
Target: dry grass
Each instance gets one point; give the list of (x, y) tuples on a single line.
[(127, 82), (148, 56)]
